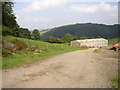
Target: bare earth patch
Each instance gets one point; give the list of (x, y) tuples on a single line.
[(78, 69)]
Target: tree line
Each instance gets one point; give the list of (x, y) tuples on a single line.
[(66, 39), (10, 26)]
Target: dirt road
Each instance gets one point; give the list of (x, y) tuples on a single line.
[(78, 69)]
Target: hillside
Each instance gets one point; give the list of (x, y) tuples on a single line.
[(87, 29), (26, 51), (44, 31)]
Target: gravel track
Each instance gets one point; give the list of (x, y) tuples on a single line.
[(78, 69)]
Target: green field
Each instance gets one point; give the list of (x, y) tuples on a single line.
[(113, 41), (19, 58)]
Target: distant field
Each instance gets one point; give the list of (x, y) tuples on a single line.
[(49, 49), (113, 41)]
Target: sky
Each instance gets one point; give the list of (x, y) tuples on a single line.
[(45, 14)]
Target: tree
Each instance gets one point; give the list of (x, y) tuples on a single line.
[(6, 31), (24, 33), (9, 19), (68, 37), (75, 37), (36, 34)]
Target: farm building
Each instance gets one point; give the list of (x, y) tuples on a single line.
[(99, 42)]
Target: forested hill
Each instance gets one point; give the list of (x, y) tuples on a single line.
[(87, 30)]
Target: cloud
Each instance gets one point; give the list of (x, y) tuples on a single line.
[(30, 15), (39, 5), (48, 13), (32, 22), (43, 4), (91, 9), (35, 19)]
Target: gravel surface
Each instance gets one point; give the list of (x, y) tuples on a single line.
[(78, 69)]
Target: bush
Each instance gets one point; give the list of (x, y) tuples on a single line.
[(24, 46), (19, 46), (83, 38), (54, 40), (29, 47), (6, 52)]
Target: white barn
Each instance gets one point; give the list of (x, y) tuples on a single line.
[(97, 43)]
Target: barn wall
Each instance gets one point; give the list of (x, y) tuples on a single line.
[(75, 44), (96, 43), (90, 43)]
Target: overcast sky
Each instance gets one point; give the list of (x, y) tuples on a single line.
[(43, 14)]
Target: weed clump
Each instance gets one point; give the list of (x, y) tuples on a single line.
[(18, 46)]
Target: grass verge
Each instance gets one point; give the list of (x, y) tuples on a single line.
[(49, 50), (115, 82)]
